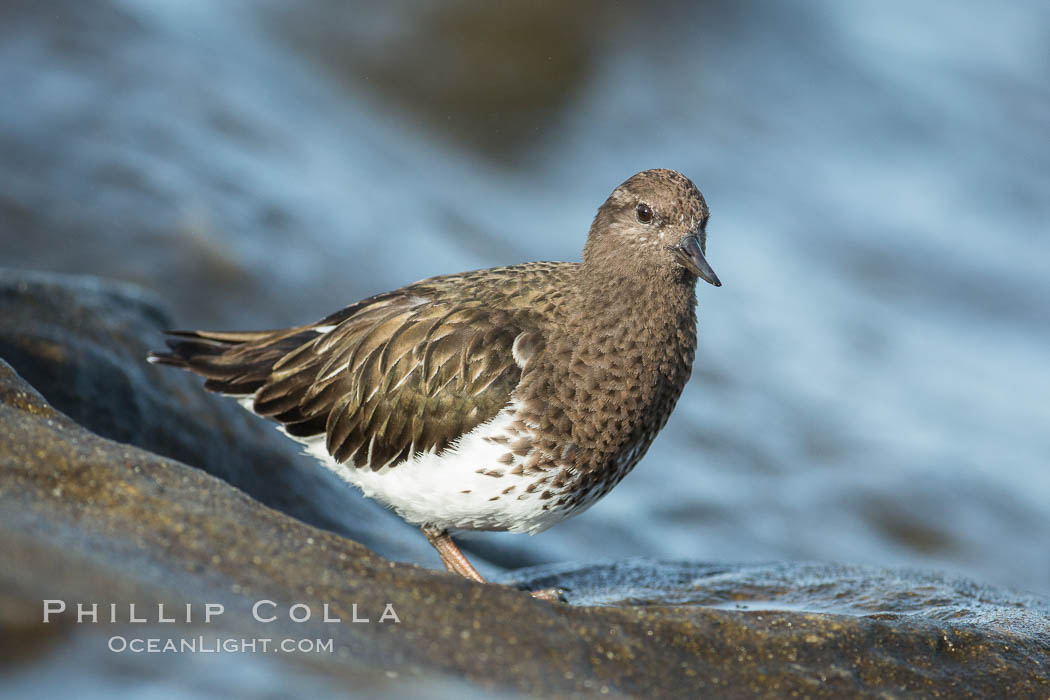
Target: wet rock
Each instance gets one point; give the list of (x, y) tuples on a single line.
[(83, 518), (836, 589), (82, 342)]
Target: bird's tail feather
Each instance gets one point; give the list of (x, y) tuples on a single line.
[(235, 363)]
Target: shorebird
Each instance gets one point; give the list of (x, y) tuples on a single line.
[(501, 399)]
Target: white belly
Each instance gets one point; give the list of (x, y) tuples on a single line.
[(449, 491)]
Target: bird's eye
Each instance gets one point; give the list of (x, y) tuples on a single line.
[(644, 213)]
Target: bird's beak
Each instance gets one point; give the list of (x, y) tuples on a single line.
[(691, 257)]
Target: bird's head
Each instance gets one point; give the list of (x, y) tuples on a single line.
[(657, 219)]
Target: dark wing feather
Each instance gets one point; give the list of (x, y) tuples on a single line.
[(397, 375)]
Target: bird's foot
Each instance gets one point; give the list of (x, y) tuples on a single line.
[(551, 595)]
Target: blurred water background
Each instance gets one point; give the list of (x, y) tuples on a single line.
[(873, 379)]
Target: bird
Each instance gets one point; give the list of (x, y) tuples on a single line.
[(504, 399)]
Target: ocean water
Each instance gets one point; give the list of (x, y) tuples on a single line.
[(873, 378)]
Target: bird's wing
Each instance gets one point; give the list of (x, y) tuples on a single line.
[(383, 379)]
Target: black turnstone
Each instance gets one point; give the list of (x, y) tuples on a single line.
[(501, 399)]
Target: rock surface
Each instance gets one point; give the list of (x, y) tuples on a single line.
[(82, 342), (87, 519)]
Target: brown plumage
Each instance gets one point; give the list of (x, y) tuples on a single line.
[(533, 389)]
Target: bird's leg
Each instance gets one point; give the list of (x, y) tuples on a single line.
[(456, 562)]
